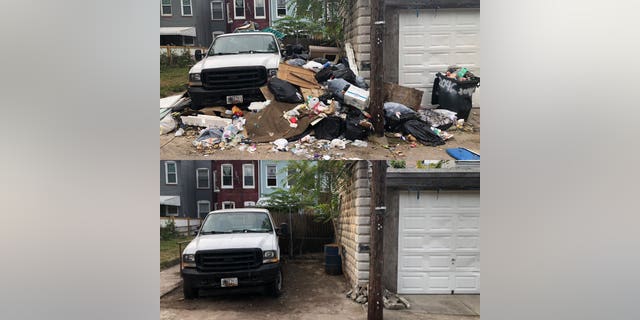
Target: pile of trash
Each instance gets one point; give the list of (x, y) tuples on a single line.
[(314, 107), (390, 300)]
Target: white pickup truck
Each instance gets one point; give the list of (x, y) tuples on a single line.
[(233, 69), (233, 248)]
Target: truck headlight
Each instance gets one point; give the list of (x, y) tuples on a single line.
[(269, 256), (272, 72), (194, 79), (188, 260)]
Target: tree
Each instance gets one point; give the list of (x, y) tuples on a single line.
[(313, 186)]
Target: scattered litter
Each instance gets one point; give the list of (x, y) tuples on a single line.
[(359, 143), (179, 132), (338, 143), (205, 121), (167, 124), (281, 145)]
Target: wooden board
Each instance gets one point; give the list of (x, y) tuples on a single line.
[(298, 76), (410, 97)]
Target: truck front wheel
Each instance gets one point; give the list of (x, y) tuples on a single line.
[(275, 289), (189, 291)]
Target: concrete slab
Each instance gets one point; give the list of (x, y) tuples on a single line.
[(440, 304), (169, 279)]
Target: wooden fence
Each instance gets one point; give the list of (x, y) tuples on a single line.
[(308, 234), (172, 51), (184, 226)]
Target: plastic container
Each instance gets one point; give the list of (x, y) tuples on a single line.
[(332, 259)]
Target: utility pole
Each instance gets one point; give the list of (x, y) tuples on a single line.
[(376, 92), (378, 209)]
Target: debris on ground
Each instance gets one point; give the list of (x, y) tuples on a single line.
[(391, 301), (314, 107)]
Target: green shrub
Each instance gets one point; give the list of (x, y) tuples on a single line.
[(168, 231)]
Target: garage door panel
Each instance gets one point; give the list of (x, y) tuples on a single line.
[(467, 243), (467, 263), (427, 262), (439, 282), (413, 282), (467, 283)]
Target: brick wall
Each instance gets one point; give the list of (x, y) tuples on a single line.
[(357, 31), (353, 225)]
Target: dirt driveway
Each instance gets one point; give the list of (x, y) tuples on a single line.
[(309, 293), (181, 148)]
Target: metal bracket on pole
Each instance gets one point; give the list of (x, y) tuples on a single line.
[(380, 210)]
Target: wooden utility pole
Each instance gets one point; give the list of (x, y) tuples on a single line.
[(376, 92), (378, 209)]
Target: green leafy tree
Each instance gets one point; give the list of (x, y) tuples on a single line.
[(313, 186)]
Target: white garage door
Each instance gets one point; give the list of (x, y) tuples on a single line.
[(432, 40), (439, 242)]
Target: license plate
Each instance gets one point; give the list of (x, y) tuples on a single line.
[(234, 99), (229, 282)]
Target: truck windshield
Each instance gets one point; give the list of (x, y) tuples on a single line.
[(244, 44), (236, 222)]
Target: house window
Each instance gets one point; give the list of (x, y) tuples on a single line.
[(272, 180), (170, 172), (258, 6), (171, 210), (186, 8), (239, 6), (249, 204), (248, 179), (228, 205), (227, 176), (290, 176), (204, 207), (165, 7), (217, 10), (282, 8), (202, 178), (215, 184)]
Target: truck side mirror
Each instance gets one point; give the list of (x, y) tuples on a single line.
[(195, 232), (198, 55)]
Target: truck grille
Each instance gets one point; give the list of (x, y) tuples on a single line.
[(234, 78), (228, 259)]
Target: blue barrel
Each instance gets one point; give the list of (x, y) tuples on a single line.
[(332, 259)]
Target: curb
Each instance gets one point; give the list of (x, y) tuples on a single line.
[(173, 288)]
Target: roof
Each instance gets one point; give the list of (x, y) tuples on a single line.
[(240, 210), (178, 31), (170, 200), (452, 179), (440, 4), (252, 33)]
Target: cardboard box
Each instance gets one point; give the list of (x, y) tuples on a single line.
[(357, 97)]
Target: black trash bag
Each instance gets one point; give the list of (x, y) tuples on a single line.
[(337, 86), (395, 114), (345, 74), (454, 95), (329, 128), (284, 91), (321, 60), (422, 132), (353, 130), (326, 97), (324, 75), (394, 123), (292, 49)]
